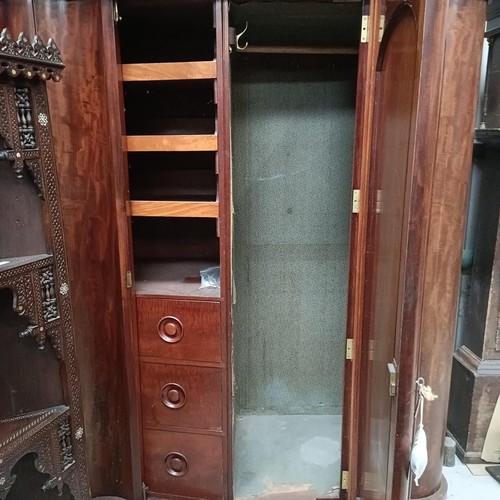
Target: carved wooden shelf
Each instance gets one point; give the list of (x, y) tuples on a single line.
[(10, 263), (201, 70), (23, 427), (171, 143), (209, 209), (46, 433), (31, 278)]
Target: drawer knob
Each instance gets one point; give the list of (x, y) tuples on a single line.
[(173, 396), (170, 329), (176, 464)]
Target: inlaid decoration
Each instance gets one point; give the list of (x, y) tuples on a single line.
[(49, 298), (79, 433), (43, 120)]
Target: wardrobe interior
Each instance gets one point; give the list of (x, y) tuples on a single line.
[(293, 102), (293, 71)]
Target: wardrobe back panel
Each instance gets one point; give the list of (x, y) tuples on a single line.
[(293, 135)]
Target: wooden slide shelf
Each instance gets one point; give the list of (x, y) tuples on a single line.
[(209, 209), (171, 143), (202, 70)]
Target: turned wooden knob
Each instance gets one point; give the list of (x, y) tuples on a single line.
[(170, 329), (176, 464), (173, 396)]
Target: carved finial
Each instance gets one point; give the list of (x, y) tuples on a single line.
[(31, 60), (53, 50), (8, 44), (39, 48), (24, 48), (5, 36)]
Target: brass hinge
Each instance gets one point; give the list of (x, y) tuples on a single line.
[(364, 28), (348, 348), (392, 368), (356, 199), (371, 344), (381, 28), (378, 206), (345, 479), (145, 490), (128, 279)]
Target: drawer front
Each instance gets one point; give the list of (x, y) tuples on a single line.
[(181, 464), (183, 396), (178, 329)]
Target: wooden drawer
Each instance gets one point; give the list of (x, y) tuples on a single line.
[(179, 329), (183, 396), (187, 465)]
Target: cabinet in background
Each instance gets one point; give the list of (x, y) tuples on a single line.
[(41, 429)]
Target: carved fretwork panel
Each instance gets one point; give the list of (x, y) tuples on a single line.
[(5, 126), (40, 410), (34, 296), (49, 298), (55, 336), (23, 302), (20, 141), (24, 118), (18, 130), (35, 174), (64, 433), (48, 450)]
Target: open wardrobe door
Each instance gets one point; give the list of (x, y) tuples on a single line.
[(392, 171), (410, 153)]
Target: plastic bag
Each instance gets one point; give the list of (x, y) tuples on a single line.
[(210, 277)]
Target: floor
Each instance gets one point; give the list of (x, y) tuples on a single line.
[(286, 457), (463, 485), (289, 457)]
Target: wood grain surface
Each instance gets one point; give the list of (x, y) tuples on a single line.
[(174, 208), (201, 339), (171, 143), (198, 70)]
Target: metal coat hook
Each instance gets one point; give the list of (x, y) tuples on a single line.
[(238, 46)]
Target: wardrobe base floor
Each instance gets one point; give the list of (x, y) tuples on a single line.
[(292, 457)]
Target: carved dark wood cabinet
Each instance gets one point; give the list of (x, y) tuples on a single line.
[(41, 428)]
